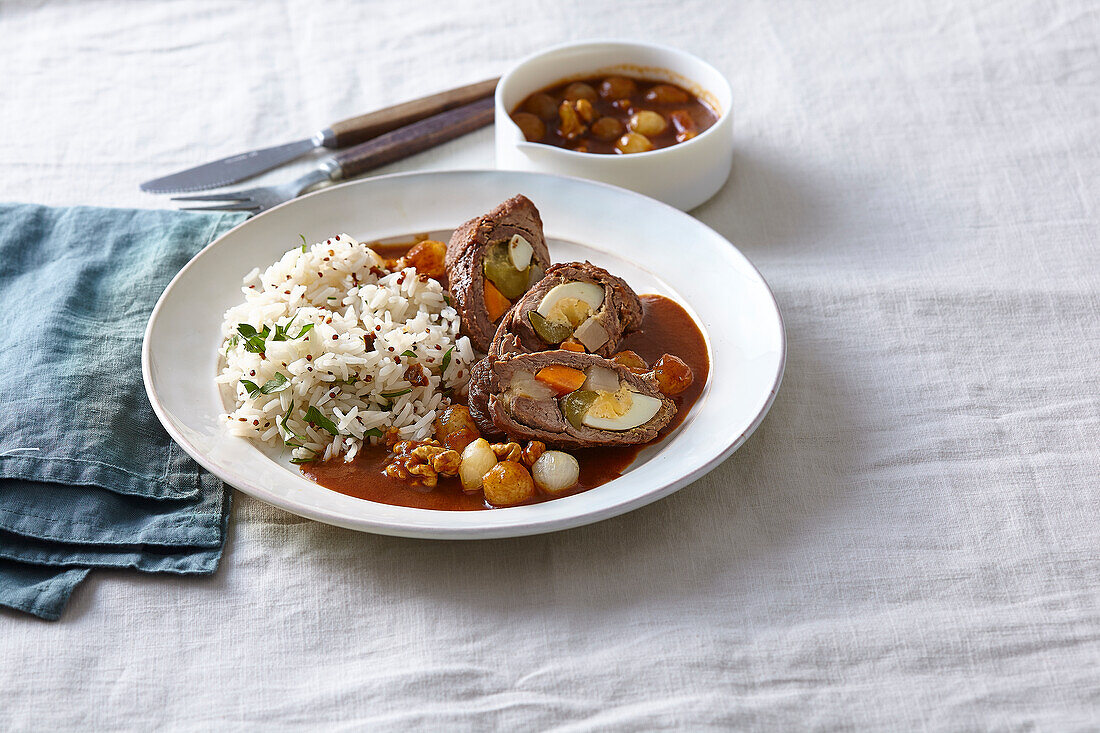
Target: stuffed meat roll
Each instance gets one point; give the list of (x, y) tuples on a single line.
[(567, 399), (491, 262), (577, 303)]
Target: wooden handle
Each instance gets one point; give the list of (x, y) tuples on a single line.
[(371, 125), (411, 139)]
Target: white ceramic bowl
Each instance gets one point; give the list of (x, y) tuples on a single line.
[(683, 175)]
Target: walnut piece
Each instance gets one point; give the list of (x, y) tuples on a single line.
[(427, 474), (507, 451), (446, 463), (532, 451)]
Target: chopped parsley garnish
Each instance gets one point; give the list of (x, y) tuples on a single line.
[(282, 423), (282, 333), (409, 353), (373, 433), (303, 241), (276, 384), (287, 431), (446, 361), (256, 341), (389, 396), (253, 339), (313, 415)]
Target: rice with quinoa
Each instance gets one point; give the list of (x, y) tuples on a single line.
[(327, 341)]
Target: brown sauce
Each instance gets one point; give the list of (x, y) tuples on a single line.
[(610, 103), (396, 250), (666, 329)]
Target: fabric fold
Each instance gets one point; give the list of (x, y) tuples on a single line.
[(37, 590), (88, 476)]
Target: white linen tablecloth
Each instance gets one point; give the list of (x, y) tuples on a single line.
[(910, 540)]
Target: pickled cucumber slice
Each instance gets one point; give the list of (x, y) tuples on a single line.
[(498, 267), (575, 406), (551, 333)]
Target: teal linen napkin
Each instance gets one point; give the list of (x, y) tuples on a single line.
[(88, 477)]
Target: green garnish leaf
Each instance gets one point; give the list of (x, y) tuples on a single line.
[(446, 361), (288, 431), (280, 331), (310, 459), (313, 415), (276, 384), (282, 423), (373, 433), (303, 241), (409, 353), (398, 393), (254, 341), (232, 343), (446, 299)]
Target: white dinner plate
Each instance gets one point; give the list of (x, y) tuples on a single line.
[(654, 247)]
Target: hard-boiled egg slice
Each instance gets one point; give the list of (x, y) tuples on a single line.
[(571, 302), (520, 252), (640, 410)]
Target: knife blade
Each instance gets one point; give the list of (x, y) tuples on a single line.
[(232, 169), (338, 135)]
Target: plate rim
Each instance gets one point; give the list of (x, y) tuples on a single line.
[(388, 527)]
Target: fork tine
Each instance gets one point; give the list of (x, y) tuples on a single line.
[(227, 196), (239, 206)]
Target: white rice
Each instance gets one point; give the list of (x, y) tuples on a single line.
[(334, 367)]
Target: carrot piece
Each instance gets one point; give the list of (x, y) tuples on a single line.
[(572, 345), (561, 379), (495, 303)]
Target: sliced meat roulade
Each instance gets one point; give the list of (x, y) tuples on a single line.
[(491, 262), (567, 399), (576, 302)]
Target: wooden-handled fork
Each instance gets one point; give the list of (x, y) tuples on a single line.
[(240, 167), (393, 145)]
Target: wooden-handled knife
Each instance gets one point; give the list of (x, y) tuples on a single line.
[(337, 135)]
